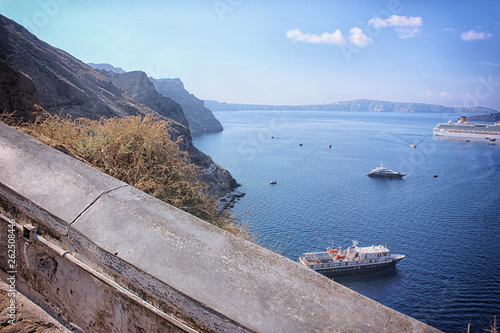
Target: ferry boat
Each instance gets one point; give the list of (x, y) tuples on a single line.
[(353, 261), (382, 171), (464, 129)]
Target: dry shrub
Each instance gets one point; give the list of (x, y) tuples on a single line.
[(138, 151)]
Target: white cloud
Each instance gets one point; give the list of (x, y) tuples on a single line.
[(358, 38), (397, 21), (405, 26), (429, 93), (475, 35), (443, 94), (335, 37)]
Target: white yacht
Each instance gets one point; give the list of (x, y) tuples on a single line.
[(382, 171)]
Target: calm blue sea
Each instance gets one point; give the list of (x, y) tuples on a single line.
[(448, 227)]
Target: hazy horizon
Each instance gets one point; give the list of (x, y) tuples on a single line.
[(287, 53)]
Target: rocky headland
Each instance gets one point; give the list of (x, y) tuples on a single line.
[(201, 119), (138, 86)]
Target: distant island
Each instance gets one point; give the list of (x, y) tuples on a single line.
[(358, 105), (492, 117)]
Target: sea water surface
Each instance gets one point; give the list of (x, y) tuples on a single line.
[(447, 226)]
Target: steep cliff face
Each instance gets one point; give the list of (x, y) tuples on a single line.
[(138, 86), (67, 86), (17, 93), (201, 119)]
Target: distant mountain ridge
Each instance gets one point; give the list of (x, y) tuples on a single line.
[(492, 117), (358, 105), (107, 67)]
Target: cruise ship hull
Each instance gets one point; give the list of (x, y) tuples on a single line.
[(464, 129), (464, 134), (357, 270)]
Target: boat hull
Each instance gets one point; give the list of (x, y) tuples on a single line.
[(395, 176), (466, 135), (357, 269)]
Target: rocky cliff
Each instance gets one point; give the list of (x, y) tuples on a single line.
[(17, 93), (358, 105), (201, 119), (67, 86), (138, 86)]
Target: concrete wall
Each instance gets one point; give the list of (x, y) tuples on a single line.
[(107, 257)]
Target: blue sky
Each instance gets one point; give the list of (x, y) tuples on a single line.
[(287, 52)]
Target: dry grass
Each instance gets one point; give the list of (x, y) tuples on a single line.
[(138, 151)]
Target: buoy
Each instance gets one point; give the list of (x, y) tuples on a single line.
[(329, 146), (300, 144), (434, 175)]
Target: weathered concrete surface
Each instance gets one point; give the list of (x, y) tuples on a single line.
[(45, 183), (72, 295), (29, 317), (207, 277)]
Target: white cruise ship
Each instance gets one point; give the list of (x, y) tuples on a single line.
[(464, 129)]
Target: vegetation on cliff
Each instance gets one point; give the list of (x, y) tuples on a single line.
[(137, 150)]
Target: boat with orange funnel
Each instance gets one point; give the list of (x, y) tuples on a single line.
[(465, 129), (353, 261)]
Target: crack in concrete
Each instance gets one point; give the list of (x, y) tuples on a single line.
[(93, 203)]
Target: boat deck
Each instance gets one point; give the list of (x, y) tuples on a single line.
[(324, 260)]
